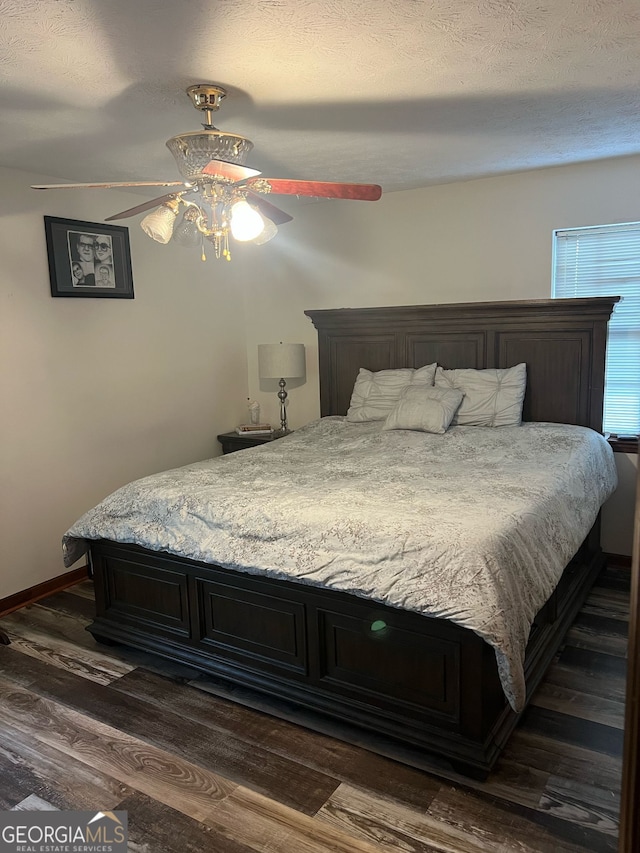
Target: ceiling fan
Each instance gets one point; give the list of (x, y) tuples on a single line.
[(219, 195)]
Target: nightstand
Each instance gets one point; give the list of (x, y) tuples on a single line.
[(232, 441)]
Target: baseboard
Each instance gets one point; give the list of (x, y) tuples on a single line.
[(42, 590), (623, 561)]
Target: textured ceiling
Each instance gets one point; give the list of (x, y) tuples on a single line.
[(399, 92)]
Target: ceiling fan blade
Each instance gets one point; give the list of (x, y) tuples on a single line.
[(277, 216), (108, 186), (140, 208), (318, 189), (228, 171)]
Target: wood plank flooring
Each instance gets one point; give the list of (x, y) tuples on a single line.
[(94, 727)]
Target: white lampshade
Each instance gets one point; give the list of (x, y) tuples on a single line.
[(281, 361)]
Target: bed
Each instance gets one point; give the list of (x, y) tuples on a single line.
[(390, 675)]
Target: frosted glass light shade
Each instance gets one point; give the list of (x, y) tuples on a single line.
[(246, 223), (281, 361), (268, 233), (186, 232), (159, 223)]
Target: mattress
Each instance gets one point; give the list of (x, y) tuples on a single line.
[(475, 526)]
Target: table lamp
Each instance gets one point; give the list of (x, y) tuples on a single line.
[(281, 361)]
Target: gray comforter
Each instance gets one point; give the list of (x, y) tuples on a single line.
[(474, 526)]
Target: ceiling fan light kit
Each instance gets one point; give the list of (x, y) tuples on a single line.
[(220, 197)]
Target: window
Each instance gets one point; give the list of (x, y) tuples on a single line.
[(605, 261)]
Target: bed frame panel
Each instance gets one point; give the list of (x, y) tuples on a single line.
[(417, 687)]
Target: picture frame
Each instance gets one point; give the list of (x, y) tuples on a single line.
[(88, 259)]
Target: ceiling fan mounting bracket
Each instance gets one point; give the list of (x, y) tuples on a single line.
[(207, 97)]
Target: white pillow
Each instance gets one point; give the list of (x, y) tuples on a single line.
[(424, 409), (492, 397), (375, 394)]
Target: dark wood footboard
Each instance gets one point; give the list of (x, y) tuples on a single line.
[(424, 683)]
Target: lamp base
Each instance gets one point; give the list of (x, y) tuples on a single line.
[(282, 396)]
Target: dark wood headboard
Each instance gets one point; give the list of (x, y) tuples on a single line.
[(562, 341)]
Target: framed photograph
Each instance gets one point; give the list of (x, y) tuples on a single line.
[(88, 259)]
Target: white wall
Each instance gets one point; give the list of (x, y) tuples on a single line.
[(480, 240), (97, 392), (618, 512)]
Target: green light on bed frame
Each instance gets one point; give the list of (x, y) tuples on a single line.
[(378, 625)]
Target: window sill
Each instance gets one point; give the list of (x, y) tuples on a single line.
[(626, 445)]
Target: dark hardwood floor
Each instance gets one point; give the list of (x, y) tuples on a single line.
[(95, 727)]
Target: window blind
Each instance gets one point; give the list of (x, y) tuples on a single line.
[(605, 261)]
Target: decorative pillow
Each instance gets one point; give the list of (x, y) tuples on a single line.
[(375, 394), (492, 397), (424, 409)]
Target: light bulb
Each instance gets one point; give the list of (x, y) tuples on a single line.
[(159, 223), (268, 232), (186, 232), (246, 223)]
